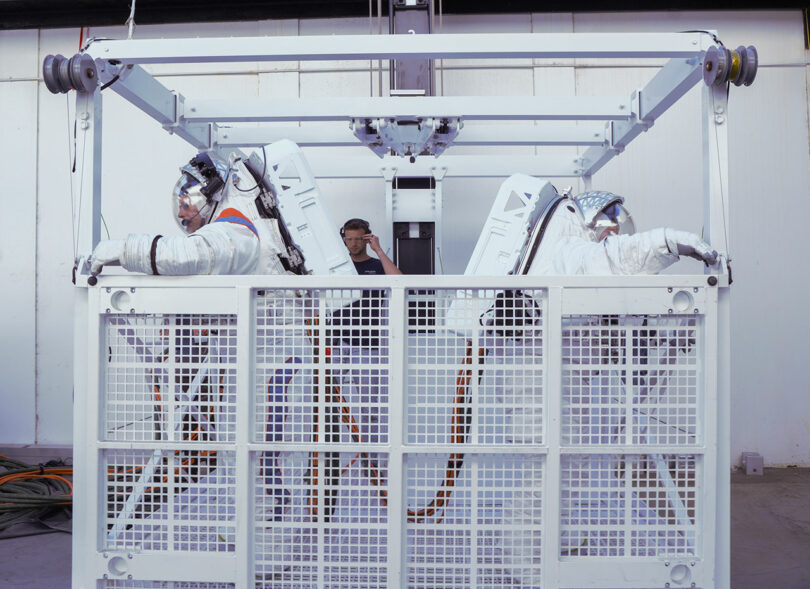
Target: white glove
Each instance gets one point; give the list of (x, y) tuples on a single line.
[(684, 243), (107, 252)]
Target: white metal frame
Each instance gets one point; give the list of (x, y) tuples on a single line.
[(615, 122), (138, 296), (620, 119)]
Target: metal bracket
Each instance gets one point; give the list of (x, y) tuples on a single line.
[(646, 121), (178, 111), (439, 173)]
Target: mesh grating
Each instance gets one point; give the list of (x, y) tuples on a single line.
[(170, 500), (312, 383), (473, 516), (630, 424), (630, 380), (613, 505), (170, 378), (481, 382), (322, 515)]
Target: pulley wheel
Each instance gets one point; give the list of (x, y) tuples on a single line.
[(72, 71), (716, 65), (741, 55), (50, 73), (83, 72), (721, 65), (752, 59), (64, 74)]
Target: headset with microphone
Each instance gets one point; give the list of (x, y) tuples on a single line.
[(358, 224)]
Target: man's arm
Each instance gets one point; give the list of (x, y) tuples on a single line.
[(388, 265)]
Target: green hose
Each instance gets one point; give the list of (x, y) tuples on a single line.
[(32, 494)]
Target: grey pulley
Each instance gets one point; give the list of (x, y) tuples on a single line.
[(739, 66), (62, 74)]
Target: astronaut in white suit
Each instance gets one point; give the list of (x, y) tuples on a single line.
[(226, 233), (591, 234), (594, 234), (230, 213)]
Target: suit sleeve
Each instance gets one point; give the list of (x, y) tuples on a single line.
[(640, 253), (229, 245)]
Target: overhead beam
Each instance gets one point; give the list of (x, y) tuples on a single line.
[(433, 46), (456, 166), (470, 108), (495, 135)]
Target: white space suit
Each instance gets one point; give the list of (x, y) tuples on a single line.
[(569, 244), (568, 248), (220, 208), (233, 213), (236, 240)]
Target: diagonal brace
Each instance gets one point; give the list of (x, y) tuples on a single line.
[(139, 87), (674, 80)]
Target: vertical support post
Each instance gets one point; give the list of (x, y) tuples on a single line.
[(470, 463), (245, 500), (397, 414), (438, 208), (88, 171), (715, 171), (388, 235), (86, 454), (715, 469), (716, 196), (723, 462), (552, 369), (320, 373)]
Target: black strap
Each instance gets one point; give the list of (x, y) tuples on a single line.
[(541, 232), (152, 253)]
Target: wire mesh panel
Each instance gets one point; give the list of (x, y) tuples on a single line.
[(160, 500), (321, 378), (631, 380), (170, 378), (307, 442), (321, 519), (511, 392), (480, 379), (322, 351), (473, 520), (628, 506)]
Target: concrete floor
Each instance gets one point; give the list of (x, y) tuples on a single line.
[(770, 539), (770, 529)]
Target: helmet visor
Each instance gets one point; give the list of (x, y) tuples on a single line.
[(189, 204), (613, 220)]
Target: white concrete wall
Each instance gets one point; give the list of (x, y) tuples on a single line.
[(18, 234), (660, 174)]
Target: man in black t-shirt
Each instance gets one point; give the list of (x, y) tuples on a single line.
[(364, 313), (357, 235)]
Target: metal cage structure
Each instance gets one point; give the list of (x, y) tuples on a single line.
[(554, 432)]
